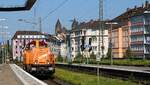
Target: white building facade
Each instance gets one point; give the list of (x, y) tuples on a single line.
[(89, 31)]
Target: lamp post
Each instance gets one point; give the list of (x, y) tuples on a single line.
[(3, 32), (69, 47), (110, 42)]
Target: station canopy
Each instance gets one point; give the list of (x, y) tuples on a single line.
[(16, 5)]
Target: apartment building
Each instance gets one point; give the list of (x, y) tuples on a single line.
[(60, 35), (120, 39), (88, 30), (140, 35), (132, 32), (21, 38)]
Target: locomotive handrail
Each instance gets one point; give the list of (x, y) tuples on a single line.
[(25, 77)]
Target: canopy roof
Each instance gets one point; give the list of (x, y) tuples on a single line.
[(28, 5)]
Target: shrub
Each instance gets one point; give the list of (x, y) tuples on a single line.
[(59, 58)]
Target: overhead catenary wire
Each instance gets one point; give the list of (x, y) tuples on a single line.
[(52, 11)]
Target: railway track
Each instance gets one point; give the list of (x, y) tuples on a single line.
[(141, 76), (50, 81), (54, 81)]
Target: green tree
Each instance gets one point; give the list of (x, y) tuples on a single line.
[(59, 58), (109, 53), (93, 56), (79, 57), (128, 54)]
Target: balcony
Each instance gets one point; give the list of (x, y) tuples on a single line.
[(138, 52), (147, 52), (137, 42), (137, 33), (147, 42), (137, 24)]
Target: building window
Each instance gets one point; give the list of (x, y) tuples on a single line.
[(72, 41), (80, 32), (137, 48), (38, 36), (72, 49), (137, 19), (137, 38), (26, 36), (18, 36), (72, 55), (23, 36), (94, 48), (31, 36), (147, 39), (94, 38), (43, 36), (35, 36)]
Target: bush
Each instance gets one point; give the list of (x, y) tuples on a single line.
[(109, 53), (93, 56), (78, 58), (59, 58)]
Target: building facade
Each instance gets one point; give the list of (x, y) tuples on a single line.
[(88, 31), (140, 35), (60, 35), (21, 38), (120, 40), (132, 32), (54, 45)]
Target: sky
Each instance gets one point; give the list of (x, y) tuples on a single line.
[(82, 10)]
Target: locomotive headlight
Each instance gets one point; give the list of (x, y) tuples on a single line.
[(36, 61), (33, 69), (48, 62), (50, 68)]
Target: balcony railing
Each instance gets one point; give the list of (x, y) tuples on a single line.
[(137, 24), (137, 42), (137, 33)]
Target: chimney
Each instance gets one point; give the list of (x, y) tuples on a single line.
[(128, 9), (91, 21), (135, 7)]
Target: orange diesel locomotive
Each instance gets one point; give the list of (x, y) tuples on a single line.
[(38, 59)]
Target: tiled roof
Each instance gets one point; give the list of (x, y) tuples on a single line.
[(52, 38), (133, 12), (90, 25)]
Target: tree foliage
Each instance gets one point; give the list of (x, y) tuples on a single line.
[(93, 56), (78, 57), (59, 58), (109, 53), (128, 54)]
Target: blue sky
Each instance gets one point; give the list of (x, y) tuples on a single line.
[(82, 10)]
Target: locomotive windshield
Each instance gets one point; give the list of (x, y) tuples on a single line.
[(36, 43)]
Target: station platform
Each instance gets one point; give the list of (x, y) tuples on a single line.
[(7, 76), (11, 74)]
